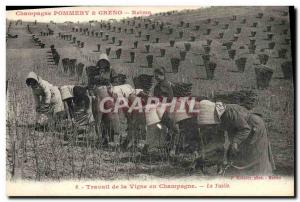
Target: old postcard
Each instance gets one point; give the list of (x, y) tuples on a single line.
[(150, 101)]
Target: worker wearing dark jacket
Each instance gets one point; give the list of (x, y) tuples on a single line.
[(163, 87), (250, 148)]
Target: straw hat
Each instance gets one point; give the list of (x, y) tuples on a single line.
[(207, 114)]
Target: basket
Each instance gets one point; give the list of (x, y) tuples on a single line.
[(66, 92)]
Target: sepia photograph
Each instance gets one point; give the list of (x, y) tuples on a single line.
[(150, 101)]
